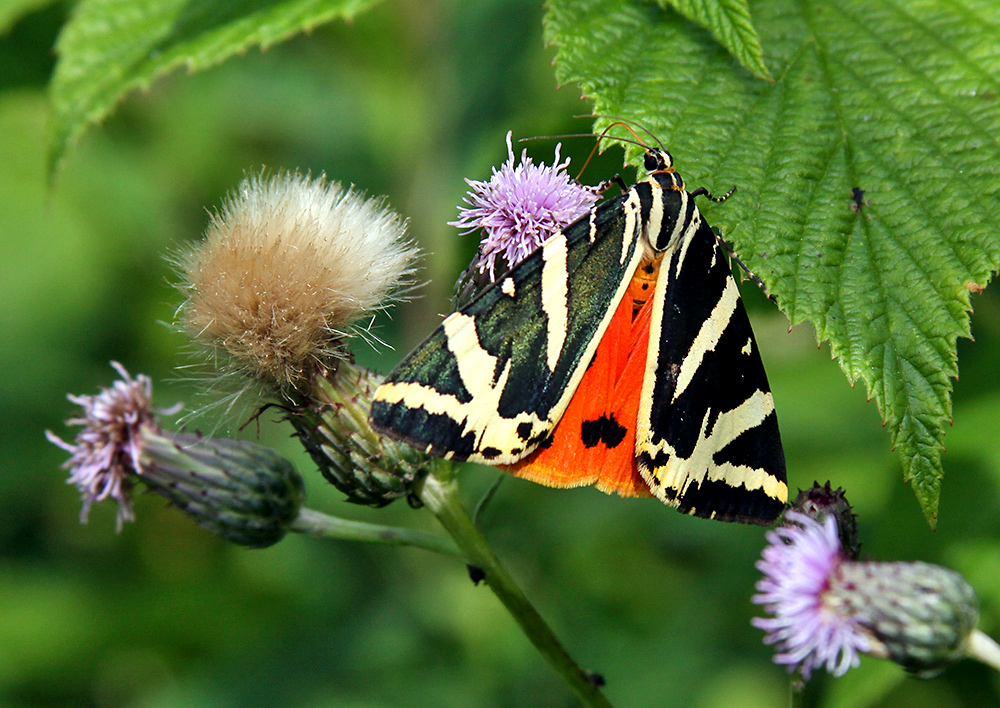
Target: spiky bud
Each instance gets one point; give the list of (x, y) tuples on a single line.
[(333, 426), (241, 491), (919, 615), (820, 500)]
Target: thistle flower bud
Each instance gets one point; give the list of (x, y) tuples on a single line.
[(827, 608), (241, 491), (818, 501), (333, 426), (287, 267), (919, 615)]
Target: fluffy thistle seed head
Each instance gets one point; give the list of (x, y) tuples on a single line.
[(287, 266)]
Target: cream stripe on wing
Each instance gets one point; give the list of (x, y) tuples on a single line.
[(708, 336), (633, 210), (655, 222), (691, 227), (555, 298), (679, 474)]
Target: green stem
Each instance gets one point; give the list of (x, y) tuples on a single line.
[(439, 492), (315, 523), (796, 691)]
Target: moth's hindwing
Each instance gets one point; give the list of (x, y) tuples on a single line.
[(594, 440), (707, 436), (491, 382)]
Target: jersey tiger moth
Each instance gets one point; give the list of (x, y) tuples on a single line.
[(617, 354)]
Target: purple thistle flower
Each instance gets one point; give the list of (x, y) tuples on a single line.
[(827, 607), (239, 490), (106, 455), (810, 626), (521, 206)]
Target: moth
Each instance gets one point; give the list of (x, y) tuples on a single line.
[(617, 354)]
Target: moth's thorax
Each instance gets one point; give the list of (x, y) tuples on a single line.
[(668, 179), (668, 213)]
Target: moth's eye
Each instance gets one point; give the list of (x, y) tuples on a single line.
[(653, 162)]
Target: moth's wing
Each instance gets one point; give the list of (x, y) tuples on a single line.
[(491, 382), (594, 440), (707, 436)]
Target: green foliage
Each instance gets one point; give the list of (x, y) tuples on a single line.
[(729, 22), (898, 104), (898, 100), (110, 47), (407, 102), (12, 10)]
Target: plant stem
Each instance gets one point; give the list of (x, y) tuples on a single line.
[(315, 523), (796, 690), (983, 648), (439, 492)]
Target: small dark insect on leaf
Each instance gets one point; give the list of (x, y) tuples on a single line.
[(476, 574), (596, 680), (858, 201)]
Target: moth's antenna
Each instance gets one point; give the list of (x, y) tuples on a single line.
[(701, 191), (618, 122), (624, 122), (637, 141), (604, 134), (557, 137)]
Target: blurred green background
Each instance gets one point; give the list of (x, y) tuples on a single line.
[(405, 101)]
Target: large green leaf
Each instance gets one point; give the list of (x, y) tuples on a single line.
[(729, 22), (898, 99), (110, 47)]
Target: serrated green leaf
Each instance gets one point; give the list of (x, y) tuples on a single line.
[(897, 99), (110, 47), (729, 22)]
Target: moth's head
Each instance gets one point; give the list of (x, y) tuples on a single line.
[(658, 161), (660, 167)]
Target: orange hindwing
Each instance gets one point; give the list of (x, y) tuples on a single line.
[(594, 441)]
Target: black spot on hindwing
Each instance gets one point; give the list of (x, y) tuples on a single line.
[(605, 430)]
